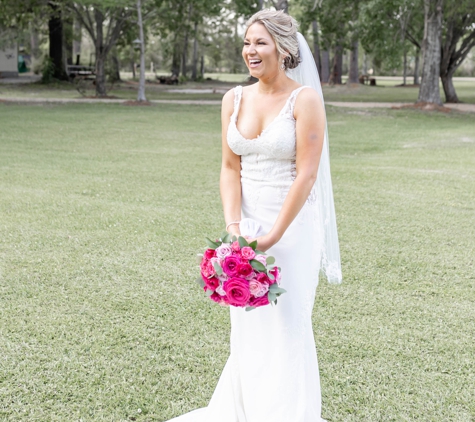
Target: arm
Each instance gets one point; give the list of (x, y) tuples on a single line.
[(310, 130), (230, 180)]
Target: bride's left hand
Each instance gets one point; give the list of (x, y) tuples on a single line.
[(263, 242)]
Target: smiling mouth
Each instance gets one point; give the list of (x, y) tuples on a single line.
[(254, 62)]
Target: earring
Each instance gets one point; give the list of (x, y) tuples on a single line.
[(282, 66)]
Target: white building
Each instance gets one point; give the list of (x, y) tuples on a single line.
[(9, 61)]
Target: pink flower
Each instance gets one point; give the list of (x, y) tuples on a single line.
[(209, 253), (207, 269), (211, 283), (247, 252), (244, 269), (259, 301), (220, 290), (230, 265), (276, 273), (223, 251), (262, 278), (251, 276), (261, 259), (258, 289), (218, 299), (237, 291), (235, 246)]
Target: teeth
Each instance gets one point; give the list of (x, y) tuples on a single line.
[(254, 61)]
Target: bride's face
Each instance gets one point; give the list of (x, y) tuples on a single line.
[(260, 52)]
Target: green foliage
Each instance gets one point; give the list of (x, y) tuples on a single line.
[(47, 70)]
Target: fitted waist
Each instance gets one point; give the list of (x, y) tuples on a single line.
[(263, 170)]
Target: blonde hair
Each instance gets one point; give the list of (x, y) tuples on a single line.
[(283, 29)]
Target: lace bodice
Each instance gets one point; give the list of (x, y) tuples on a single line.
[(268, 159)]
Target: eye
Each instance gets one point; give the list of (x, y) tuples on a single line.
[(261, 43), (246, 43)]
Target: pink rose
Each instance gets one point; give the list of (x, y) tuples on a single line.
[(276, 273), (262, 278), (211, 283), (218, 299), (248, 253), (230, 265), (251, 276), (258, 289), (259, 301), (244, 269), (223, 251), (235, 246), (209, 253), (237, 291), (220, 290), (261, 259), (207, 269)]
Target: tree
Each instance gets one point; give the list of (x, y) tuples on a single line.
[(429, 90), (141, 91), (55, 31), (104, 23), (458, 38)]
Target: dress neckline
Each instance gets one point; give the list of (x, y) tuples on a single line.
[(238, 108)]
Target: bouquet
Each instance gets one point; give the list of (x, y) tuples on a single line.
[(234, 272)]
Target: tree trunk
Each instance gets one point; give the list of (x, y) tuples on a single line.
[(77, 38), (194, 67), (316, 48), (184, 57), (176, 56), (416, 67), (202, 66), (35, 47), (55, 29), (100, 55), (429, 91), (115, 67), (141, 92), (282, 5), (353, 73), (337, 65), (449, 89), (325, 75), (404, 70)]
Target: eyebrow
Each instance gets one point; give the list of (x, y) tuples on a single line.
[(259, 39)]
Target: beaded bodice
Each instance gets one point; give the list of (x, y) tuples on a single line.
[(268, 159)]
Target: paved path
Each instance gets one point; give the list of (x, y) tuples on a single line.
[(461, 107)]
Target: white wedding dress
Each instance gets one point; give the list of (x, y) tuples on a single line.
[(272, 372)]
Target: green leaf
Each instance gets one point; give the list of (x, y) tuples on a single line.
[(217, 268), (200, 281), (242, 242), (211, 244), (209, 292), (250, 308), (253, 245), (226, 238), (271, 276), (270, 260), (259, 266), (271, 296), (275, 289)]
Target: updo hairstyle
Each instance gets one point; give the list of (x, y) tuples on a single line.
[(283, 29)]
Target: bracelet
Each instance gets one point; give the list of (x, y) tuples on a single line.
[(231, 223)]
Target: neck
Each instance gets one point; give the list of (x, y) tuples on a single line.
[(273, 84)]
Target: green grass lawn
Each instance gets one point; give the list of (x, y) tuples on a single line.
[(386, 90), (104, 207)]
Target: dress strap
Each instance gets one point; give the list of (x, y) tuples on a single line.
[(293, 98), (237, 101)]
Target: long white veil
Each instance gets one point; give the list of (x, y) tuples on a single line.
[(306, 73)]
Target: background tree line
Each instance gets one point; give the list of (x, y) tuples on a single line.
[(436, 35)]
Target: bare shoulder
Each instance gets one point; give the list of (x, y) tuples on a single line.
[(227, 103), (308, 97)]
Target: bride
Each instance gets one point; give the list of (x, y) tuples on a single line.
[(275, 170)]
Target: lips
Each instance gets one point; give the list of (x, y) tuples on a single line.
[(254, 62)]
